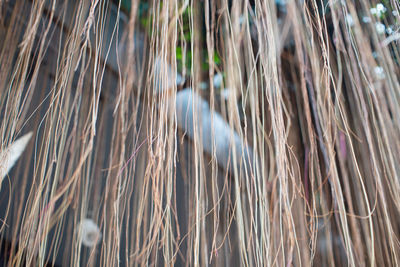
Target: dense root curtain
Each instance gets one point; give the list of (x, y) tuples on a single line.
[(194, 133)]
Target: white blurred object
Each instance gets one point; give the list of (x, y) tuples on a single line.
[(218, 80), (389, 30), (193, 112), (392, 38), (366, 19), (380, 27), (89, 233), (379, 72), (164, 76), (225, 93), (203, 86), (349, 20), (379, 10), (10, 155)]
